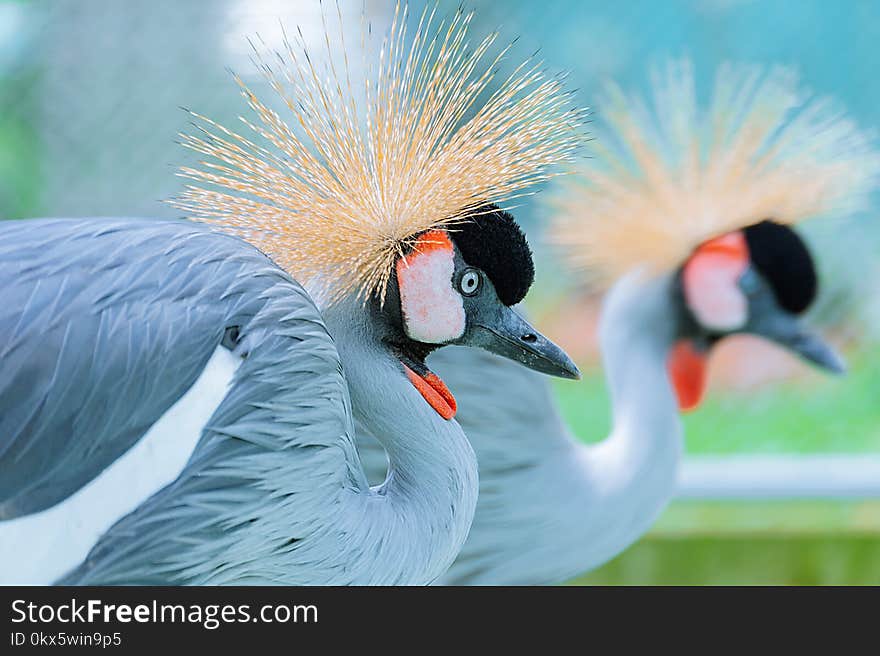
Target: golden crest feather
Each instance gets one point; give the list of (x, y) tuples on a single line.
[(336, 194), (670, 175)]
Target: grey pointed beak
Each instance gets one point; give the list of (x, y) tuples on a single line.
[(507, 334), (787, 330)]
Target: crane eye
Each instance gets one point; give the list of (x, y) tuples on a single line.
[(749, 283), (469, 283)]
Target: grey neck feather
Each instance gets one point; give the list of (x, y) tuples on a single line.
[(430, 494), (552, 507), (636, 332), (633, 472)]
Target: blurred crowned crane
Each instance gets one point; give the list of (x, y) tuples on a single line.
[(689, 212), (175, 409)]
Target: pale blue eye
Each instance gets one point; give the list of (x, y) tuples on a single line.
[(469, 282), (749, 282)]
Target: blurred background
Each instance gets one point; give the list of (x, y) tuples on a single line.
[(90, 98)]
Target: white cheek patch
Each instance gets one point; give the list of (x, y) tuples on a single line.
[(433, 312), (712, 291)]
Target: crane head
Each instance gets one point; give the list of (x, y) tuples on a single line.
[(458, 286), (756, 280)]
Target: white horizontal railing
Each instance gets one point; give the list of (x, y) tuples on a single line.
[(780, 477)]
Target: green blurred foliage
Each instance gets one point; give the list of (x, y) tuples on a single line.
[(789, 560), (19, 150), (757, 543)]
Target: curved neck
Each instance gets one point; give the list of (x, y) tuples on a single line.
[(428, 501), (635, 468), (636, 332), (590, 501)]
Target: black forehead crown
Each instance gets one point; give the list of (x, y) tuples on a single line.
[(782, 257), (492, 241)]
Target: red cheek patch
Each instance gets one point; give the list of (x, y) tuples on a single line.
[(431, 241), (687, 371), (434, 391), (710, 280)]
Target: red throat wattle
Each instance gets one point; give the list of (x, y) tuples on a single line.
[(434, 391), (687, 371)]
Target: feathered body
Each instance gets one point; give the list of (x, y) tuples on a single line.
[(113, 321), (145, 306), (551, 507)]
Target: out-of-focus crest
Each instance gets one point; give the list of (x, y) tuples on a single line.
[(341, 189), (669, 174)]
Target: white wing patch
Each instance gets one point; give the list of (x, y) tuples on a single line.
[(37, 549)]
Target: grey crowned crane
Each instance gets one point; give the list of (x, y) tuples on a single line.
[(174, 406), (687, 211)]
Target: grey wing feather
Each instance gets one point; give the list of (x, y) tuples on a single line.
[(105, 324), (271, 466)]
